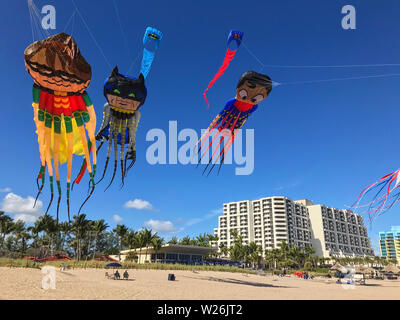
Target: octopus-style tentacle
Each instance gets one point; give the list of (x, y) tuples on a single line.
[(91, 128), (110, 141), (47, 146), (40, 134), (123, 135), (39, 121), (115, 138), (56, 156), (132, 127), (70, 150), (105, 122)]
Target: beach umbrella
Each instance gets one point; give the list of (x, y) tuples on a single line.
[(114, 265), (363, 270), (338, 267), (391, 268)]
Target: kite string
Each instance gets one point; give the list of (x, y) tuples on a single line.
[(91, 34), (325, 66), (122, 29), (125, 38), (71, 18)]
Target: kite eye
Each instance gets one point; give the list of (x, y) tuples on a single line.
[(132, 95), (117, 91), (257, 98), (243, 94)]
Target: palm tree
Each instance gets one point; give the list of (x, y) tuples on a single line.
[(65, 228), (173, 240), (284, 248), (20, 233), (6, 228), (202, 240), (213, 239), (185, 241), (147, 237), (132, 239), (99, 226), (157, 243), (121, 230), (79, 227), (255, 253)]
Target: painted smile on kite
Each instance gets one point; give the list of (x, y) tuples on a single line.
[(56, 80), (121, 103)]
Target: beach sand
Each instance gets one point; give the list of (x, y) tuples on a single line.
[(25, 283)]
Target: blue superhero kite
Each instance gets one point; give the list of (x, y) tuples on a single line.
[(121, 115), (252, 88)]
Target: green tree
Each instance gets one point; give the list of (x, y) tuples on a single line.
[(121, 231), (157, 243), (79, 227), (173, 240), (99, 226)]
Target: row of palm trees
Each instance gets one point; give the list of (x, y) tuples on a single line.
[(81, 238)]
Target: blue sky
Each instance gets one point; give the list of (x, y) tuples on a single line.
[(322, 141)]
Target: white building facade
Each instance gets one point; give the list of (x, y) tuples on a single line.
[(266, 222), (338, 232)]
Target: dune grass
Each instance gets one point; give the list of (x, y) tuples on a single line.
[(73, 264)]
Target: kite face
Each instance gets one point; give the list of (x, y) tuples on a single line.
[(253, 88), (56, 63), (123, 93)]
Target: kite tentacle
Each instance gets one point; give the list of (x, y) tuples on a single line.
[(123, 134), (115, 138)]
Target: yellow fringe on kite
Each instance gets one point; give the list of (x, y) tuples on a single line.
[(78, 146)]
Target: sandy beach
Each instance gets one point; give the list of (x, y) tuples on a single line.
[(91, 284)]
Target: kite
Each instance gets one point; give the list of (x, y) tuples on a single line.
[(125, 95), (384, 195), (252, 88), (62, 108)]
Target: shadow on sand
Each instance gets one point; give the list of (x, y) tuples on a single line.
[(236, 281)]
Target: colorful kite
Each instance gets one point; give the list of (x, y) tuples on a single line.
[(382, 195), (125, 95), (62, 107), (251, 89)]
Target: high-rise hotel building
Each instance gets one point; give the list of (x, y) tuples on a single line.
[(338, 232), (389, 244), (268, 221)]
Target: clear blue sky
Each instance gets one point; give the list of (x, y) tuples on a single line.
[(323, 141)]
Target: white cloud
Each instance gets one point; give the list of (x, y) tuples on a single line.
[(139, 205), (117, 218), (5, 189), (22, 207), (160, 226)]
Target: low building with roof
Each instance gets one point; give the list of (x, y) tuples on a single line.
[(170, 253)]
